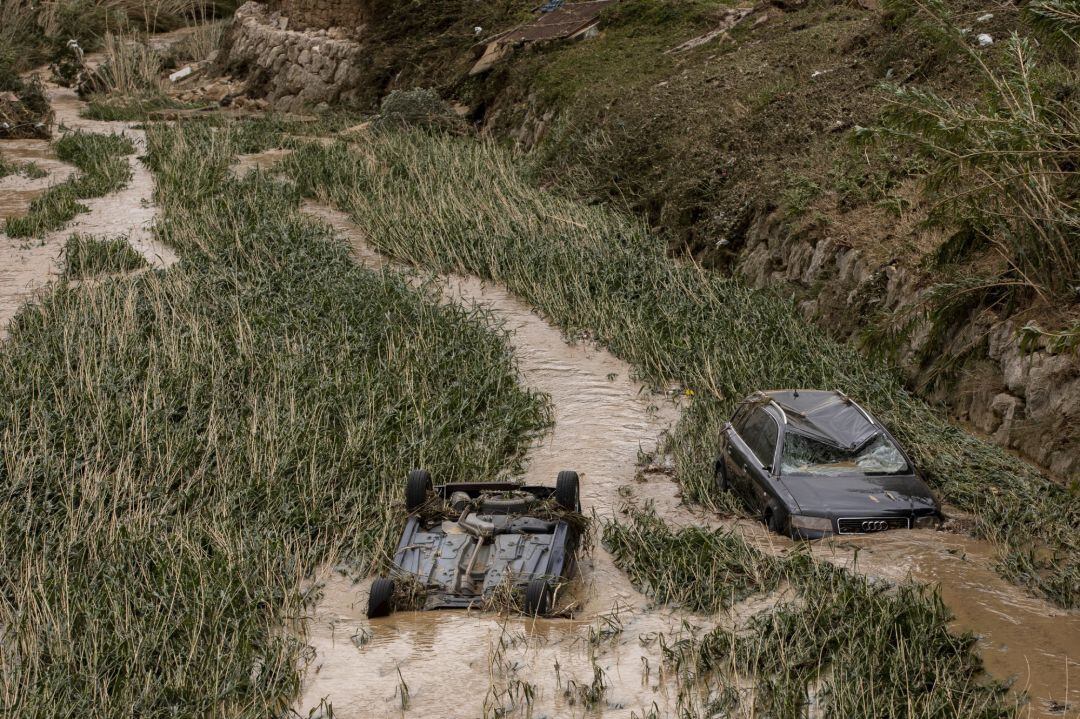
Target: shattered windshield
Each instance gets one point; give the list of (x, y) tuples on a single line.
[(803, 455)]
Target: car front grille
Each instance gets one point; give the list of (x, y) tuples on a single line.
[(865, 525)]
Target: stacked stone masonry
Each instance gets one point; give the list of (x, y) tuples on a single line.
[(349, 15), (297, 70)]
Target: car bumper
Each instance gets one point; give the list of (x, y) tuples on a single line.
[(816, 527)]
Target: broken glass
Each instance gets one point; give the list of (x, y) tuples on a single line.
[(803, 455)]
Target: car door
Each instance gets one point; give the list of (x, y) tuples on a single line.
[(753, 457)]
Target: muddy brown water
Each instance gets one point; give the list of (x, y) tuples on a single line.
[(454, 664), (27, 264)]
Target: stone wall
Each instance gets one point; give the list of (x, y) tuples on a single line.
[(1025, 401), (350, 15), (294, 70)]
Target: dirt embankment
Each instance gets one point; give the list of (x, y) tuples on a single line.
[(741, 149)]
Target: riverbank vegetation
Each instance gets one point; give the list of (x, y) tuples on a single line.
[(86, 256), (603, 275), (181, 449), (34, 34), (858, 646), (103, 167)]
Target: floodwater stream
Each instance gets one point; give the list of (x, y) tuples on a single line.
[(28, 264), (448, 661), (471, 664)]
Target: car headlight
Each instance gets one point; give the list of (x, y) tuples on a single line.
[(818, 524), (929, 521)]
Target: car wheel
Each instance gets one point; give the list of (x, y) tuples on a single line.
[(380, 597), (538, 598), (507, 503), (567, 491), (417, 488), (776, 520), (720, 473)]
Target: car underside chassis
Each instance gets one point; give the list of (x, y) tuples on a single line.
[(483, 545)]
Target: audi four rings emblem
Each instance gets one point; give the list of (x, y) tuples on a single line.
[(875, 526)]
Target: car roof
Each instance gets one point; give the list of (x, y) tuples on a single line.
[(827, 416)]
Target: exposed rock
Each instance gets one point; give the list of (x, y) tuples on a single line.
[(344, 18), (293, 70), (1028, 402)]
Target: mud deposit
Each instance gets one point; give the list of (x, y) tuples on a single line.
[(28, 264), (16, 191), (457, 664)]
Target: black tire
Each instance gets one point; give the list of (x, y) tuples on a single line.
[(568, 490), (720, 473), (776, 520), (538, 598), (417, 488), (380, 598)]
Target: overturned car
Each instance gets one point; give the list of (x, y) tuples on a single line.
[(814, 463), (465, 542)]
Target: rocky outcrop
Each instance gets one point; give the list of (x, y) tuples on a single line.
[(349, 15), (1028, 401), (293, 70)]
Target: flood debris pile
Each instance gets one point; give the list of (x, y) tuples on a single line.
[(673, 322), (129, 83), (851, 645), (25, 111), (102, 161), (180, 449), (558, 20)]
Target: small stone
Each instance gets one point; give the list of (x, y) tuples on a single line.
[(983, 40)]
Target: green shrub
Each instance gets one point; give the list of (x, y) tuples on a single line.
[(419, 108)]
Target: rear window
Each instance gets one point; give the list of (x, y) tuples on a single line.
[(803, 455)]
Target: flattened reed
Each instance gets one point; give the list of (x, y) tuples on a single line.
[(181, 449), (463, 206)]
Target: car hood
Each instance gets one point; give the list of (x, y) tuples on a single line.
[(866, 495)]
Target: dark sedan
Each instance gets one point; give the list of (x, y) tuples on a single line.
[(812, 463)]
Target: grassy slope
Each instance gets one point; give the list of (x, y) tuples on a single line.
[(180, 449), (752, 138), (595, 271)]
